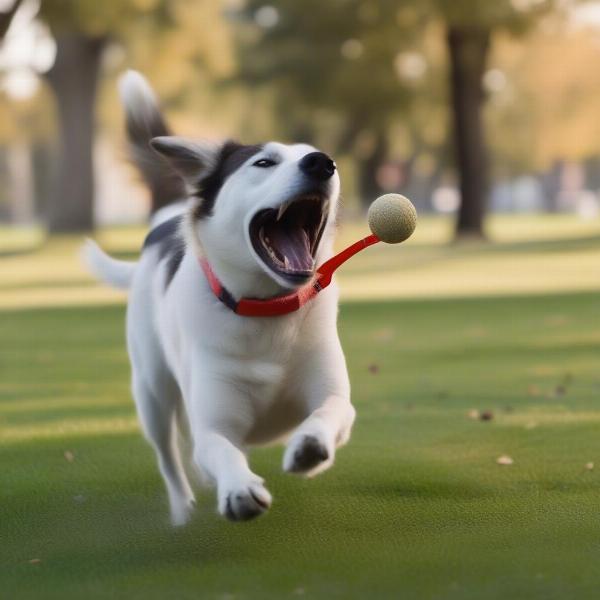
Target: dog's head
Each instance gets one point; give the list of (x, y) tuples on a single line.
[(264, 210)]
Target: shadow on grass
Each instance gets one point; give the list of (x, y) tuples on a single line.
[(438, 487)]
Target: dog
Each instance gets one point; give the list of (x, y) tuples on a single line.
[(242, 222)]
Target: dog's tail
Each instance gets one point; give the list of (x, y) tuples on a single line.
[(118, 273), (144, 121)]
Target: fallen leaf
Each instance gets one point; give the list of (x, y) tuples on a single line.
[(504, 460), (473, 414), (589, 466), (486, 415), (560, 390), (35, 561), (373, 369), (69, 456), (533, 390)]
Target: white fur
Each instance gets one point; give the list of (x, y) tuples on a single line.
[(234, 381), (118, 273), (137, 94)]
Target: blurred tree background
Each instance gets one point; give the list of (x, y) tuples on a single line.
[(466, 106)]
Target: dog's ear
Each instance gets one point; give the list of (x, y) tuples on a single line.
[(193, 160)]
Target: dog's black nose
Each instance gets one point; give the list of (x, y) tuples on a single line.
[(317, 166)]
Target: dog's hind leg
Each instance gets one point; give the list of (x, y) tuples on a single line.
[(157, 412)]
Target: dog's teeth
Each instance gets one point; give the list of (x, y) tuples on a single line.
[(282, 208)]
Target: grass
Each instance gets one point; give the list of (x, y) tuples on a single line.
[(529, 255), (416, 506)]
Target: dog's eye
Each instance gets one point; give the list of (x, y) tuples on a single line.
[(264, 163)]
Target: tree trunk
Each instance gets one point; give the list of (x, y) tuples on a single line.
[(42, 157), (368, 186), (73, 79), (468, 49)]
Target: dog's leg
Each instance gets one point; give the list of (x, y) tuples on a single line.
[(158, 417), (241, 493), (219, 421), (323, 382)]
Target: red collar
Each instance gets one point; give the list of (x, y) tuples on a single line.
[(282, 305)]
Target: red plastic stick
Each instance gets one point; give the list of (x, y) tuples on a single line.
[(326, 270), (281, 305)]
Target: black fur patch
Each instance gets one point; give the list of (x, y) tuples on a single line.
[(171, 245), (231, 157), (173, 262), (163, 232)]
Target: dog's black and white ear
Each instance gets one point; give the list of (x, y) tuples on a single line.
[(193, 160)]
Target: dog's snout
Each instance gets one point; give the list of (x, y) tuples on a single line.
[(317, 165)]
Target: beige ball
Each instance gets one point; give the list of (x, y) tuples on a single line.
[(392, 218)]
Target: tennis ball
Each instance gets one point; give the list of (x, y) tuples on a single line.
[(392, 218)]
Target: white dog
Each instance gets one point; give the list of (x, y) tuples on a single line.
[(257, 221)]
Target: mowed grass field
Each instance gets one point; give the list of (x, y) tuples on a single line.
[(416, 505)]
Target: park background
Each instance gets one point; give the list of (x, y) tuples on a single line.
[(473, 348)]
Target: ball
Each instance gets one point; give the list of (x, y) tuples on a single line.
[(392, 218)]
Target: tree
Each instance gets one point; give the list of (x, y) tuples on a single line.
[(73, 79), (82, 30), (338, 78), (470, 26)]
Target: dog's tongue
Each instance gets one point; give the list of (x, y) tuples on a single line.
[(294, 245)]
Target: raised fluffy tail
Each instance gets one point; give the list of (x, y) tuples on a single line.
[(144, 121), (118, 273)]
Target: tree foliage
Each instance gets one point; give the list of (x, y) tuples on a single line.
[(365, 79), (341, 79)]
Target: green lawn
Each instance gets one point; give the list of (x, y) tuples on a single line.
[(415, 507), (529, 255)]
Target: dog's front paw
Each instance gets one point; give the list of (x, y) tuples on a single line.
[(245, 502), (307, 455)]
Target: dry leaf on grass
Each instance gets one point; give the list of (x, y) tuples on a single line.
[(480, 415), (504, 460), (69, 456), (589, 466), (486, 415)]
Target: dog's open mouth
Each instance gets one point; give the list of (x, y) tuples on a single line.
[(286, 238)]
